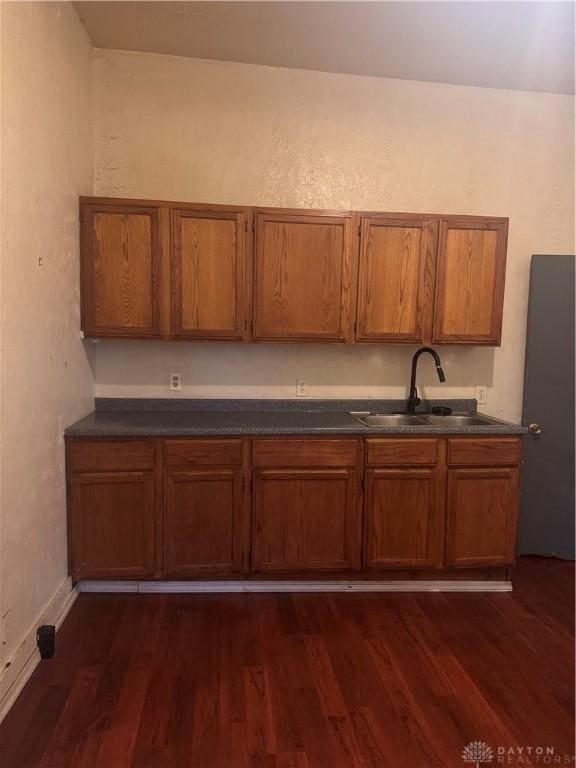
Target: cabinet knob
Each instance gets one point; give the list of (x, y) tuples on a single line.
[(534, 428)]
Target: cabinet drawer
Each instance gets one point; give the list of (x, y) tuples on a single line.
[(305, 453), (484, 452), (402, 452), (185, 453), (103, 455)]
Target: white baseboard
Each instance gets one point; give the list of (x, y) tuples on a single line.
[(15, 676), (215, 587)]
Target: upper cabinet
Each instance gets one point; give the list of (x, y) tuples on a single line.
[(211, 272), (470, 281), (122, 271), (302, 277), (396, 279)]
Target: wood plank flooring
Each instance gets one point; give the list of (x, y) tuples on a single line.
[(303, 681)]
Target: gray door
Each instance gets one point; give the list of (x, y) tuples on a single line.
[(547, 495)]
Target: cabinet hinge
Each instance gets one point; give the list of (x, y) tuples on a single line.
[(359, 229)]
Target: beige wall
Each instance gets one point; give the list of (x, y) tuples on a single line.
[(183, 129), (46, 380)]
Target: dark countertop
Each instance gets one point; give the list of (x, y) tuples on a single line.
[(148, 418)]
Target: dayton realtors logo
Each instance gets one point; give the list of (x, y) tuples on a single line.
[(479, 753)]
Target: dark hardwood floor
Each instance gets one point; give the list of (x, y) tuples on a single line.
[(303, 680)]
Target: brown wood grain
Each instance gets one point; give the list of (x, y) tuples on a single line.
[(121, 271), (203, 523), (484, 451), (305, 519), (288, 274), (208, 274), (470, 278), (158, 509), (482, 509), (202, 451), (404, 518), (307, 496), (164, 273), (302, 277), (305, 452), (322, 681), (101, 455), (112, 525), (404, 451), (396, 275)]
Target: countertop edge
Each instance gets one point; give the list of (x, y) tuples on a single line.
[(360, 431)]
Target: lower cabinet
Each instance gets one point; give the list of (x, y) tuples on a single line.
[(182, 508), (305, 520), (203, 522), (112, 525), (441, 502), (482, 515), (404, 518)]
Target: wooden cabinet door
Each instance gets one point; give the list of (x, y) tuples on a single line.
[(209, 274), (112, 525), (470, 276), (204, 530), (482, 510), (305, 520), (396, 279), (303, 277), (122, 276), (404, 518)]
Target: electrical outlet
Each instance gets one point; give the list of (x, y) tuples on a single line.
[(482, 395), (301, 388), (175, 382)]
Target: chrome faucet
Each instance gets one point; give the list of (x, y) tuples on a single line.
[(413, 399)]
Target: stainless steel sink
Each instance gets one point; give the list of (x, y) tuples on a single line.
[(455, 420), (388, 419), (421, 419)]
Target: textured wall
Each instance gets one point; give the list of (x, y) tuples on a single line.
[(46, 379), (184, 129)]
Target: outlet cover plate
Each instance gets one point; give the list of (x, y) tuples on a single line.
[(301, 388), (482, 395)]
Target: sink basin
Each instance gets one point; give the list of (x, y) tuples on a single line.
[(455, 420), (420, 419), (388, 419)]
